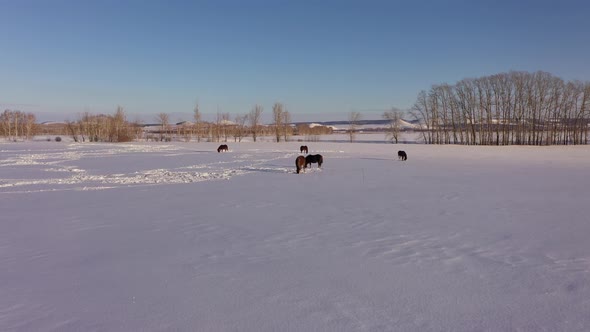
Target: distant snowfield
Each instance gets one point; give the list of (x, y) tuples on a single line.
[(178, 237)]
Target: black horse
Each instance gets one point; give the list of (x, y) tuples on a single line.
[(303, 148), (402, 155), (222, 147), (300, 164), (314, 158)]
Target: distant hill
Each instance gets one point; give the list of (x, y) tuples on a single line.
[(364, 124)]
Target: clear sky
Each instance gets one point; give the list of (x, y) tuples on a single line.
[(316, 57)]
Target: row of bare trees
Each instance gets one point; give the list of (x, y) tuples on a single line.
[(242, 125), (17, 125), (304, 129), (282, 121), (222, 128), (116, 128), (518, 108), (392, 129), (353, 123), (103, 128), (394, 117)]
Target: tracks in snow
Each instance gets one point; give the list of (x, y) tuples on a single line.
[(54, 170)]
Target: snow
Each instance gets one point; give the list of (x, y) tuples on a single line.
[(313, 125), (175, 236), (401, 125)]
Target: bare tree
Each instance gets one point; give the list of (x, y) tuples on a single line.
[(353, 122), (287, 130), (6, 119), (254, 119), (394, 126), (198, 122), (16, 124), (240, 127), (84, 124), (72, 130), (507, 108), (164, 122), (137, 128), (30, 125), (119, 127), (421, 114), (225, 125), (217, 130), (278, 117), (15, 118)]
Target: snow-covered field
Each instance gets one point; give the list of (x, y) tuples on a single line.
[(178, 237)]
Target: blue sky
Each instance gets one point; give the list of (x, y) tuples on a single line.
[(316, 57)]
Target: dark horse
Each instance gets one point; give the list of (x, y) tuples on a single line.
[(303, 148), (402, 155), (300, 163), (222, 147), (314, 158)]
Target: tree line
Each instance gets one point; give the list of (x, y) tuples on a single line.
[(103, 128), (250, 124), (16, 125), (116, 127), (515, 108), (242, 125)]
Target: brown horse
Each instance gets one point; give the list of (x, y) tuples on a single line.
[(314, 158), (300, 163), (303, 148), (222, 147)]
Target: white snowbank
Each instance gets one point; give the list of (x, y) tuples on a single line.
[(175, 236)]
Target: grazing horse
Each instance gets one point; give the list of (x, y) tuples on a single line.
[(303, 148), (222, 147), (300, 164), (402, 155), (314, 158)]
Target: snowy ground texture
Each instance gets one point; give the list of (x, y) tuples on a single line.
[(178, 237)]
